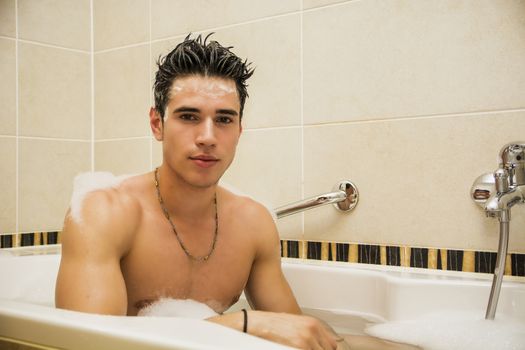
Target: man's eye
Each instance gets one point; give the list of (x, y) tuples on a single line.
[(224, 120), (188, 117)]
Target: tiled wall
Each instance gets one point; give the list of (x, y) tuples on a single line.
[(45, 114), (410, 100)]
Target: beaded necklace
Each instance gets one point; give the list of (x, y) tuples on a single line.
[(167, 215)]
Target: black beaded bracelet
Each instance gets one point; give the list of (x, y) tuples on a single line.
[(245, 325)]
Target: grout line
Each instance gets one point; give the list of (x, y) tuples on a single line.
[(124, 138), (17, 126), (301, 100), (418, 117), (342, 3), (436, 116), (51, 139), (25, 41), (128, 46), (270, 128), (75, 140), (92, 87)]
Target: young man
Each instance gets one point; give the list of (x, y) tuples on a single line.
[(174, 233)]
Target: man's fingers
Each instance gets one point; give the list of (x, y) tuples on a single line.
[(322, 337), (328, 339)]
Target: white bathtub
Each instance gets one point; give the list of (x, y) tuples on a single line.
[(348, 296)]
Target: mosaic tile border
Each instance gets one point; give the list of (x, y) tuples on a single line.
[(427, 258), (16, 240)]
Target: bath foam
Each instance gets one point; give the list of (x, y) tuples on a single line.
[(89, 182), (454, 331), (188, 308)]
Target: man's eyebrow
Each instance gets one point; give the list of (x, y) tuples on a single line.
[(231, 112), (186, 109)]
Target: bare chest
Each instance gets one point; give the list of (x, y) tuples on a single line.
[(157, 266)]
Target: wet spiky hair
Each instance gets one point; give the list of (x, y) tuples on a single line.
[(198, 57)]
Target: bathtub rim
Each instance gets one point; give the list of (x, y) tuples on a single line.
[(150, 332)]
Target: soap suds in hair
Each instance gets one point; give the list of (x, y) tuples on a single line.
[(89, 182)]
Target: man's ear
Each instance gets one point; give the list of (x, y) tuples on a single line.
[(156, 124)]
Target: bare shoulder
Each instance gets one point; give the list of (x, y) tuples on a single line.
[(253, 217), (246, 208), (106, 216)]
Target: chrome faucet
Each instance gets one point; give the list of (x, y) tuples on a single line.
[(497, 196), (509, 180)]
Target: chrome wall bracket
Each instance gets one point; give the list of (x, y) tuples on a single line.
[(345, 198), (352, 195), (482, 188)]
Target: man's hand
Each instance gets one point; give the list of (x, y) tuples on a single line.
[(298, 331)]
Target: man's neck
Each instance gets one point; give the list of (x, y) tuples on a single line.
[(182, 199)]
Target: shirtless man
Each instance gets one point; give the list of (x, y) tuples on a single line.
[(174, 233)]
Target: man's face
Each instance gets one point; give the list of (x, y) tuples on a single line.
[(201, 128)]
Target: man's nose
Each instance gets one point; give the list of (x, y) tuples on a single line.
[(206, 133)]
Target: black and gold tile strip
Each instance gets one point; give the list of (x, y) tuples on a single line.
[(426, 258), (28, 239), (418, 257)]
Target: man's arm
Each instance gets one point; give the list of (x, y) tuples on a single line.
[(267, 288), (89, 278), (276, 315)]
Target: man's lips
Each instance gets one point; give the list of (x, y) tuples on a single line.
[(204, 161)]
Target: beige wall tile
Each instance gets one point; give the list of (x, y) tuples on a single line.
[(55, 92), (7, 87), (181, 17), (120, 22), (122, 92), (274, 48), (291, 227), (385, 59), (123, 156), (414, 178), (308, 4), (8, 18), (58, 22), (8, 184), (47, 170), (267, 167)]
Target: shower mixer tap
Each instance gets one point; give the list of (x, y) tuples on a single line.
[(509, 181), (497, 195)]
